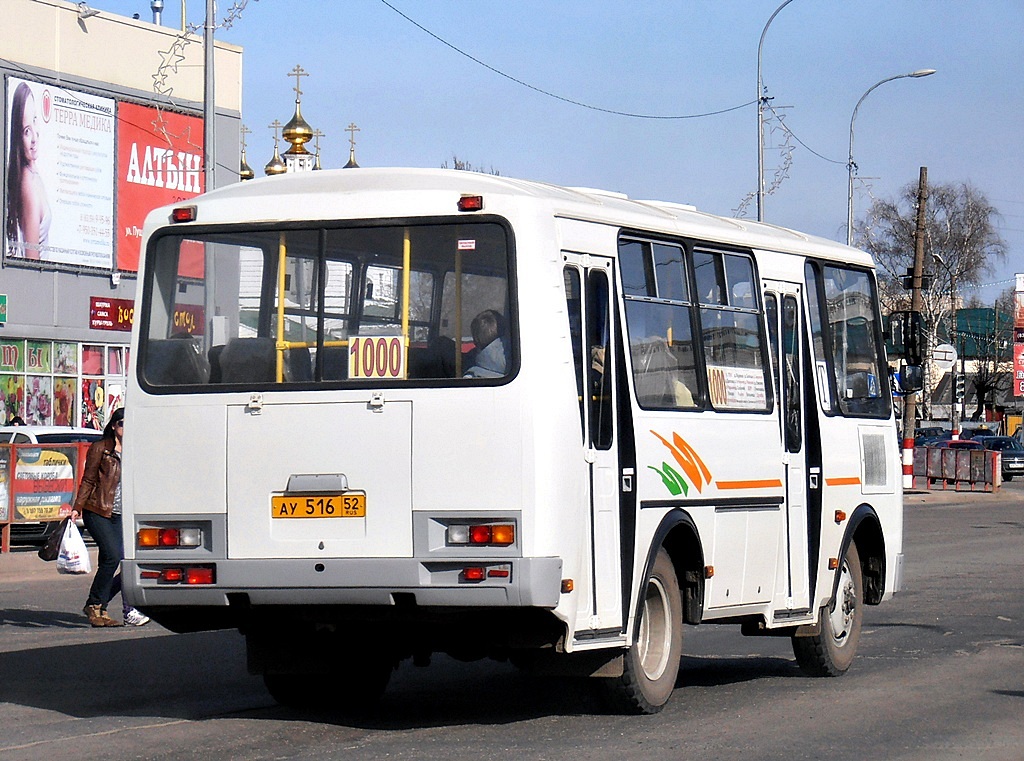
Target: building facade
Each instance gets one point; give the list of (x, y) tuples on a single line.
[(102, 122)]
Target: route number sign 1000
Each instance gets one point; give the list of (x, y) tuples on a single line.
[(376, 357)]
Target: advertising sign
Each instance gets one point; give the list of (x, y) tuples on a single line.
[(1018, 338), (44, 481), (1018, 370), (60, 175), (160, 160), (111, 314), (5, 467)]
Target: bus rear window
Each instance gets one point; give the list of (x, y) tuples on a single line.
[(315, 305)]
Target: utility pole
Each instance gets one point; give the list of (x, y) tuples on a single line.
[(916, 302), (209, 102)]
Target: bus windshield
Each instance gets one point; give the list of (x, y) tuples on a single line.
[(326, 305)]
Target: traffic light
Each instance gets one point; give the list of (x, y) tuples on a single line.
[(959, 388)]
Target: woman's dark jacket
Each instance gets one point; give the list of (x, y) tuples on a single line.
[(100, 479)]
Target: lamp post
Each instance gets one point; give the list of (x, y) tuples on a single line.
[(850, 165), (760, 118)]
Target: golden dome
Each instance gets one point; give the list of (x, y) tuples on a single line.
[(297, 132), (244, 170), (276, 164)]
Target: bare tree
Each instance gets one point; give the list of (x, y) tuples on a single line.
[(961, 245), (465, 166)]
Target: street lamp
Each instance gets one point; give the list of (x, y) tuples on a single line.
[(850, 165), (760, 118)]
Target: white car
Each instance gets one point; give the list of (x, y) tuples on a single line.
[(33, 532)]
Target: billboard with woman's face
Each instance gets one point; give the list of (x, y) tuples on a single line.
[(59, 180)]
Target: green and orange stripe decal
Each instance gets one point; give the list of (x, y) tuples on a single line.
[(690, 463), (695, 473)]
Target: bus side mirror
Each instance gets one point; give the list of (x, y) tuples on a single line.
[(911, 378), (907, 336)]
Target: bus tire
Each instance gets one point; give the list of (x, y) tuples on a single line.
[(831, 651), (651, 664)]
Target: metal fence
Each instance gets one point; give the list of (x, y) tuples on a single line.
[(945, 468)]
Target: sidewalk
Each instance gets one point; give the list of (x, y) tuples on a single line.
[(22, 564)]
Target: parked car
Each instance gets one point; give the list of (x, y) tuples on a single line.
[(961, 444), (1011, 450), (973, 431), (933, 441), (928, 432), (36, 532)]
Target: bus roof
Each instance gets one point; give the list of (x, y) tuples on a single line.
[(377, 193)]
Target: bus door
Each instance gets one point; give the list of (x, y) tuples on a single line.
[(784, 312), (588, 283)]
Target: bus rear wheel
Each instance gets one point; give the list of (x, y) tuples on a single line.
[(651, 664), (831, 651)]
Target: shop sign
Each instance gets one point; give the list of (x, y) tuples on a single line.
[(12, 356), (44, 481), (5, 467), (3, 308), (1018, 370), (111, 314), (119, 314)]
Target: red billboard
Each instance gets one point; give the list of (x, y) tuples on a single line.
[(160, 162), (1018, 370), (1018, 337)]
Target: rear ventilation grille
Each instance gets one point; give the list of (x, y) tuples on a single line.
[(873, 446)]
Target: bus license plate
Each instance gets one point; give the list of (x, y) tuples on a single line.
[(319, 506)]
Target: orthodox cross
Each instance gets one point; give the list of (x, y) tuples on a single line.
[(297, 72), (275, 125), (352, 129), (245, 131)]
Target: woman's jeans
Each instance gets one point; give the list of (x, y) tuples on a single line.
[(106, 532)]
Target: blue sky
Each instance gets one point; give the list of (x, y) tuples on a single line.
[(417, 102)]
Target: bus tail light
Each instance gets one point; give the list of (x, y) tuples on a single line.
[(172, 575), (471, 203), (199, 575), (482, 534), (188, 575), (476, 573), (185, 536), (184, 214)]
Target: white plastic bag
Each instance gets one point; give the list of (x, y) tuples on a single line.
[(73, 557)]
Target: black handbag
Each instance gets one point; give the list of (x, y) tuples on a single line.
[(51, 548)]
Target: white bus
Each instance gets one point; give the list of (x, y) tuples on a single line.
[(382, 413)]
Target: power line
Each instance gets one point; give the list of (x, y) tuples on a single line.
[(805, 145), (553, 95)]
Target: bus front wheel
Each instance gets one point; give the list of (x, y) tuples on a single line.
[(651, 664), (831, 651)]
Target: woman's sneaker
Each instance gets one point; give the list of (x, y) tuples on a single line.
[(132, 617)]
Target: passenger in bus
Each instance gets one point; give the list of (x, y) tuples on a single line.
[(489, 335)]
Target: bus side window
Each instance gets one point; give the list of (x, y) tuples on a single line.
[(732, 331), (659, 325), (574, 305)]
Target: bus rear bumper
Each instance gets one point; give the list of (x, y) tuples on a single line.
[(499, 582)]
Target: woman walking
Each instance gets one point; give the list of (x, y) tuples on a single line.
[(99, 504)]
